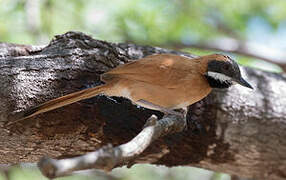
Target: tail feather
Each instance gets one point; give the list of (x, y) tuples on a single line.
[(58, 102)]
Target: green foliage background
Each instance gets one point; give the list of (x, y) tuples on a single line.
[(141, 21), (153, 22)]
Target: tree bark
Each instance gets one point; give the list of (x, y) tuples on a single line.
[(235, 131)]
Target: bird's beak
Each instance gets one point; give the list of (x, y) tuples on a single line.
[(244, 83)]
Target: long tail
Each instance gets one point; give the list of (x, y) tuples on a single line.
[(58, 102)]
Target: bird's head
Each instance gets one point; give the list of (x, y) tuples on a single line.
[(222, 72)]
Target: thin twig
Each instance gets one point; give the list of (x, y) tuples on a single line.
[(240, 47), (108, 157)]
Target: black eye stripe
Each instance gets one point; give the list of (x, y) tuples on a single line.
[(215, 83), (229, 68), (216, 66)]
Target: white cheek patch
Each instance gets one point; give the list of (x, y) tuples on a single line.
[(219, 76)]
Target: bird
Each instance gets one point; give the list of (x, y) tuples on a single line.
[(162, 82)]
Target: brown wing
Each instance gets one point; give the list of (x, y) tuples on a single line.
[(163, 70)]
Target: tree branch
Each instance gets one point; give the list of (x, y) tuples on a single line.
[(236, 131), (107, 157)]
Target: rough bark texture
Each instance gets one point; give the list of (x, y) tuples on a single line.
[(236, 131)]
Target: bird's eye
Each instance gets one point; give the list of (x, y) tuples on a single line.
[(226, 67)]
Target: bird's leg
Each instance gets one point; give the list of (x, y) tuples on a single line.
[(166, 111), (181, 113), (184, 111)]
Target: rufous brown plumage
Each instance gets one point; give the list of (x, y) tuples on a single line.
[(161, 82)]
